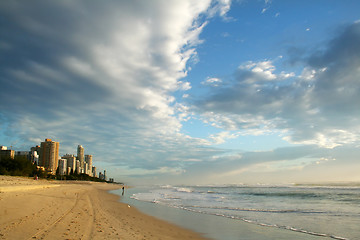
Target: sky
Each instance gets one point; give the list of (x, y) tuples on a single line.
[(187, 92)]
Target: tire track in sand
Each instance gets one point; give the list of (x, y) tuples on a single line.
[(45, 231), (89, 227)]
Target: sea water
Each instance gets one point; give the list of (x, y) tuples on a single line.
[(322, 211)]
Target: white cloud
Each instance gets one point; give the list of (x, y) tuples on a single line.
[(185, 85), (267, 6), (317, 107), (220, 7), (325, 159), (330, 138), (224, 6), (221, 137), (247, 123), (262, 70), (215, 82), (104, 75), (183, 112), (284, 75)]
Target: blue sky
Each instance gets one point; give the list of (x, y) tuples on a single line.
[(187, 91)]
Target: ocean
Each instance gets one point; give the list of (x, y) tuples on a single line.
[(306, 212)]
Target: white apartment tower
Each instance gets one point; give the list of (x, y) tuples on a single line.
[(62, 166), (88, 160), (80, 155), (78, 168), (71, 161)]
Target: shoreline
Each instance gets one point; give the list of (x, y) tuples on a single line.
[(41, 209), (214, 226)]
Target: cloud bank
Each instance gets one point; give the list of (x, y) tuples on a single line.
[(317, 106), (107, 76), (102, 75)]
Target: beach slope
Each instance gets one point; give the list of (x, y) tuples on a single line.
[(43, 209)]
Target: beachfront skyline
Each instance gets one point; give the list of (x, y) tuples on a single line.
[(187, 91)]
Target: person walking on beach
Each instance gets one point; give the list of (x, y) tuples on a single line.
[(123, 191)]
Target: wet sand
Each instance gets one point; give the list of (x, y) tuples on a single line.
[(41, 209)]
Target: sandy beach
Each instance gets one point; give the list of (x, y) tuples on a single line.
[(41, 209)]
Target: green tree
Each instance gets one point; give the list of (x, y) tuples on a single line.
[(19, 166)]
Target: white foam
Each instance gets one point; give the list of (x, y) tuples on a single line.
[(184, 189)]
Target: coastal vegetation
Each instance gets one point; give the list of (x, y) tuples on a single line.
[(75, 176), (21, 166)]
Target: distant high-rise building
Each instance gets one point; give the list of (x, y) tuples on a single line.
[(80, 155), (37, 148), (5, 153), (78, 168), (23, 154), (35, 151), (71, 161), (49, 155), (88, 160), (86, 169), (101, 175), (62, 166), (94, 171)]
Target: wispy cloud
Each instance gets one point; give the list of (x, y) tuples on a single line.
[(102, 75), (267, 4), (220, 7)]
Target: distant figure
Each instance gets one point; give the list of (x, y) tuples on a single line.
[(123, 191)]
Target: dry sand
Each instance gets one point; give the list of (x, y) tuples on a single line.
[(41, 209)]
